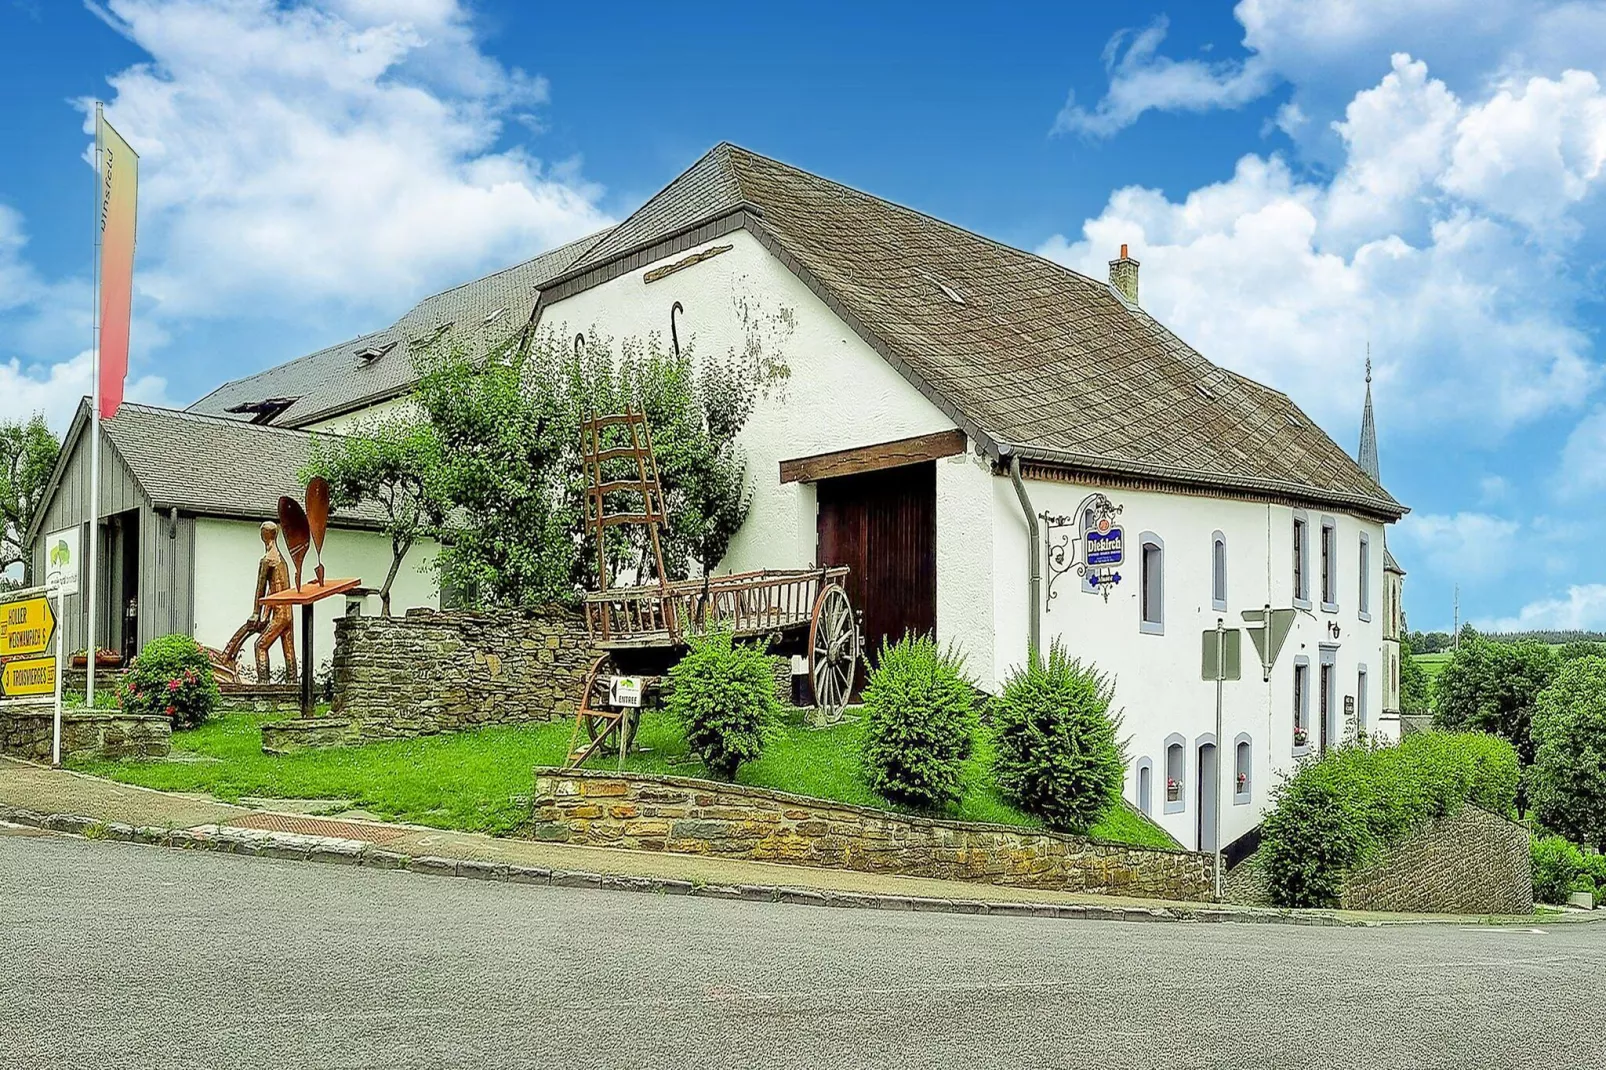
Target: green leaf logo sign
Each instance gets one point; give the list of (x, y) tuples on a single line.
[(59, 554)]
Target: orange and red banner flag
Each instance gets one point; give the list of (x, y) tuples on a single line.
[(119, 179)]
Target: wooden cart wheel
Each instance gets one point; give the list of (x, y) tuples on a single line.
[(833, 653), (594, 719)]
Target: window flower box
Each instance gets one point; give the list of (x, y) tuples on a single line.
[(1243, 783), (105, 658), (1301, 737), (1173, 790)]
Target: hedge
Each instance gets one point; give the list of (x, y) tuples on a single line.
[(1336, 813)]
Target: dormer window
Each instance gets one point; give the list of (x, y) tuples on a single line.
[(264, 411), (367, 356)]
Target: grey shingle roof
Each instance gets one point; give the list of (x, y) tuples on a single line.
[(1041, 360), (337, 379), (214, 466)]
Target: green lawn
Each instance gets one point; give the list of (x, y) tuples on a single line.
[(1432, 664), (481, 781)]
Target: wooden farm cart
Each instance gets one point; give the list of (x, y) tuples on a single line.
[(641, 630)]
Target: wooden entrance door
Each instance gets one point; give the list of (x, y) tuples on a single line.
[(883, 526)]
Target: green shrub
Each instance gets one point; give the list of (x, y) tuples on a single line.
[(1557, 866), (1336, 813), (171, 676), (724, 698), (1595, 869), (1567, 784), (1057, 755), (920, 723)]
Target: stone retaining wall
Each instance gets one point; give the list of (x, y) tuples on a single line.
[(1472, 862), (429, 672), (689, 816), (27, 731)]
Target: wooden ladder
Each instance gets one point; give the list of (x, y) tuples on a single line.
[(604, 452)]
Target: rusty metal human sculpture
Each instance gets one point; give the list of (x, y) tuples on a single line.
[(269, 623)]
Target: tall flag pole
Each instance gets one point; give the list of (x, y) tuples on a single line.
[(116, 184)]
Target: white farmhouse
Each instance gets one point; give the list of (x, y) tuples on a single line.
[(963, 419), (1006, 452)]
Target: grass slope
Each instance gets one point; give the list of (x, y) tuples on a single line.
[(1432, 664), (481, 781)]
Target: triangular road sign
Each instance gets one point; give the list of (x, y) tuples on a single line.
[(1271, 634)]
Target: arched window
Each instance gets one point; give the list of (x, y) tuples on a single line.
[(1243, 770), (1176, 774), (1218, 571), (1151, 584), (1145, 786), (1360, 702), (1364, 567)]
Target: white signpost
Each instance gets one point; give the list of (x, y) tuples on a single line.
[(1220, 659)]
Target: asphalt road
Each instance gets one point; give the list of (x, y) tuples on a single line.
[(119, 955)]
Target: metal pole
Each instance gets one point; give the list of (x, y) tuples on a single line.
[(55, 737), (306, 660), (90, 646), (1221, 674)]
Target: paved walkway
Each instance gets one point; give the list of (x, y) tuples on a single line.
[(74, 802)]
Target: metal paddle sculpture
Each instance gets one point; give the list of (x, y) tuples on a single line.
[(318, 517), (297, 532)]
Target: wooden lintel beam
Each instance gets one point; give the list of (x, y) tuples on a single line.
[(873, 458)]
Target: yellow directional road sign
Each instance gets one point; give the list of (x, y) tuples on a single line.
[(26, 627), (28, 676)]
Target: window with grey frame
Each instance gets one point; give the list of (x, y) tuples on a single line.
[(1329, 559), (1151, 584), (1327, 699), (1218, 571), (1243, 770), (1301, 561), (1360, 702), (1176, 773), (1145, 786), (1301, 703), (1364, 565)]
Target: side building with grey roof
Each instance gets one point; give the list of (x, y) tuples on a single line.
[(182, 499)]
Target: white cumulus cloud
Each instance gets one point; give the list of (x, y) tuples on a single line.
[(1582, 608), (1458, 282), (351, 152)]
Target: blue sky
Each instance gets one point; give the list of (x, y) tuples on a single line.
[(1299, 181)]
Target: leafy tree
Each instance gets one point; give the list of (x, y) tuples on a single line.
[(1057, 753), (28, 454), (1492, 687), (1567, 785), (1416, 695), (387, 462), (920, 723), (510, 472)]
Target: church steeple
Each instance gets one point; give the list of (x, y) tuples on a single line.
[(1367, 455)]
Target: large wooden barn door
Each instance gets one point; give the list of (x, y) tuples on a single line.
[(883, 526)]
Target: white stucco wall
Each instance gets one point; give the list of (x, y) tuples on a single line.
[(344, 424), (226, 556), (840, 394), (1158, 683)]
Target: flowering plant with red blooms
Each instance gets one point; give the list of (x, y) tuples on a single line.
[(173, 677)]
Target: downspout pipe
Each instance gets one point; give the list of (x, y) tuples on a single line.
[(1034, 564)]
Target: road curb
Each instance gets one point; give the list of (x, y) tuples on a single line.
[(303, 848)]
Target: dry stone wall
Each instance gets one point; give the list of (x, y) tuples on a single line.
[(1472, 862), (27, 732), (689, 816), (430, 672)]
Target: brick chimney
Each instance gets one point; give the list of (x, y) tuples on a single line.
[(1124, 276)]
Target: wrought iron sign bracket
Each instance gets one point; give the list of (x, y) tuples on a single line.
[(1060, 551)]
